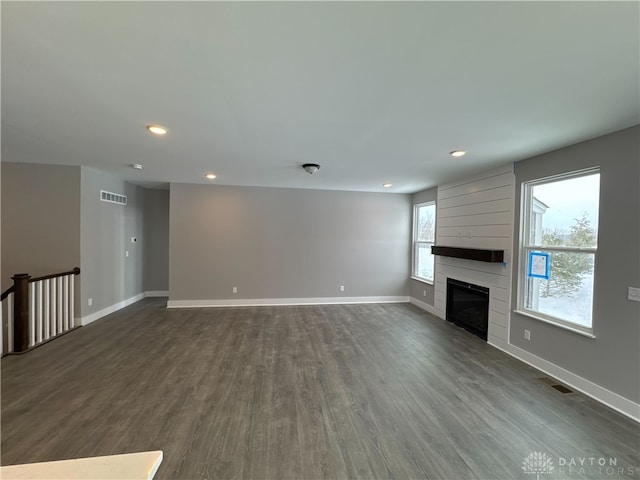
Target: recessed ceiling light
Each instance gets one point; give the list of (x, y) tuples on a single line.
[(136, 166), (458, 153), (157, 129), (387, 185), (210, 176)]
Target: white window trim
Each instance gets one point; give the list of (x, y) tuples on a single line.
[(423, 280), (556, 322), (414, 243), (525, 246)]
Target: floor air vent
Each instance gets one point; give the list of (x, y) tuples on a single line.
[(562, 388), (113, 197), (553, 383)]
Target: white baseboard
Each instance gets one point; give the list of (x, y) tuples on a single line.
[(424, 306), (265, 302), (110, 309), (601, 394), (156, 293)]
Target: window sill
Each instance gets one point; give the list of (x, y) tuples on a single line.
[(556, 324), (423, 280)]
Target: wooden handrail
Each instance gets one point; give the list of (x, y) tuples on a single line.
[(6, 293), (75, 271)]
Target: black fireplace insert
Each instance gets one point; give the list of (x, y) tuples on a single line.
[(468, 306)]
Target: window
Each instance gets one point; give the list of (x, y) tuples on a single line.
[(424, 235), (559, 246)]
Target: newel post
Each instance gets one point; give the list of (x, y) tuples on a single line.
[(21, 311)]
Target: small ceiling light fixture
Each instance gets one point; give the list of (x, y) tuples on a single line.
[(387, 185), (136, 166), (458, 153), (157, 129), (311, 168), (210, 176)]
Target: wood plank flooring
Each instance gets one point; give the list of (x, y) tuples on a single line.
[(309, 392)]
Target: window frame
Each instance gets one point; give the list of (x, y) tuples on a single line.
[(415, 242), (526, 246)]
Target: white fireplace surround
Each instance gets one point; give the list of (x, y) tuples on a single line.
[(478, 213)]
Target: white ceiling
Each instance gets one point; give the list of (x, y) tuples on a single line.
[(372, 91)]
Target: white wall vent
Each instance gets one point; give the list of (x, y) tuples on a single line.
[(113, 197)]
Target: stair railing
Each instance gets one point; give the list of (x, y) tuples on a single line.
[(38, 309)]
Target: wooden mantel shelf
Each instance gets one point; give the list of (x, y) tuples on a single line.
[(479, 254)]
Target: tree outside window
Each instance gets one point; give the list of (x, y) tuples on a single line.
[(561, 216)]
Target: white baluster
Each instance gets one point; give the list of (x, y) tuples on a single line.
[(38, 313), (32, 314), (46, 287), (54, 306), (60, 302), (72, 300), (10, 323), (65, 282)]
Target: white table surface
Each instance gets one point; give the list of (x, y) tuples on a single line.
[(129, 466)]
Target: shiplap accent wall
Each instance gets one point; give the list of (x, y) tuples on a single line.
[(478, 213)]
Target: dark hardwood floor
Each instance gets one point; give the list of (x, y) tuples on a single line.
[(310, 392)]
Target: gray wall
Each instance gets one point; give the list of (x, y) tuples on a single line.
[(286, 243), (156, 240), (418, 288), (40, 219), (108, 275), (612, 359)]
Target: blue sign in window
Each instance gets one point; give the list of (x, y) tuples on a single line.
[(538, 265)]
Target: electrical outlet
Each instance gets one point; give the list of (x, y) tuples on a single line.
[(126, 253), (342, 288), (235, 289), (634, 294), (90, 301), (424, 293), (527, 335)]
